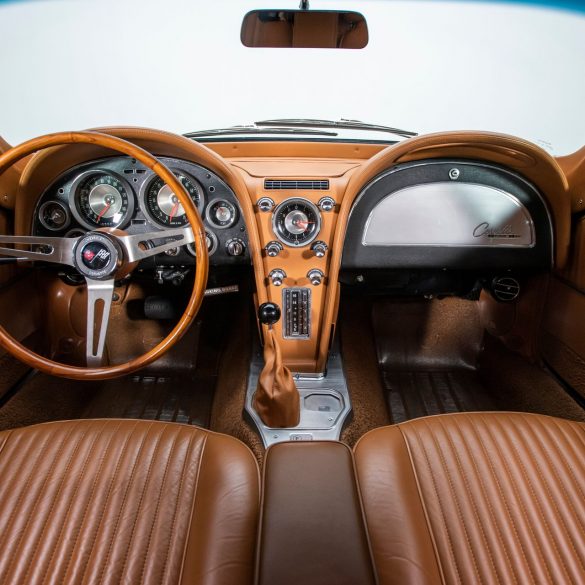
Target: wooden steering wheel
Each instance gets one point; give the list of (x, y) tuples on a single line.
[(101, 256)]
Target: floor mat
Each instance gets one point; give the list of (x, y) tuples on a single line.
[(434, 358), (183, 400), (419, 393)]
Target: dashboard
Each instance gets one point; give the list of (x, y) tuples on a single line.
[(119, 192), (452, 213)]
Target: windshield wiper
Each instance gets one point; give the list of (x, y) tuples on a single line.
[(234, 130), (342, 124)]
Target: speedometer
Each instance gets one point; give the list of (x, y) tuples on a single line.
[(164, 207), (296, 222), (101, 200)]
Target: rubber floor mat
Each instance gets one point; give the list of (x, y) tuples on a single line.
[(420, 393), (185, 400)]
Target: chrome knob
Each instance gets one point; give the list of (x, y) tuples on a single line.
[(320, 248), (235, 247), (326, 203), (273, 249), (315, 276), (277, 276), (265, 204)]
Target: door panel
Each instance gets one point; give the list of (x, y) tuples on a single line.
[(563, 331)]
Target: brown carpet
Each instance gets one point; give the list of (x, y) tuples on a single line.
[(227, 415), (361, 371)]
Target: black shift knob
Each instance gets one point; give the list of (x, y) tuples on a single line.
[(268, 313)]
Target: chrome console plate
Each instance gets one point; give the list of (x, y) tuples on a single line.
[(325, 403)]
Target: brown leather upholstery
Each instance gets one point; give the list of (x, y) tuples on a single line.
[(476, 498), (312, 530), (111, 501)]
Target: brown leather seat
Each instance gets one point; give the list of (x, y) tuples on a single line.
[(476, 498), (112, 501)]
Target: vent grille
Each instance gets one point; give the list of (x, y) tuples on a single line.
[(274, 184), (505, 288)]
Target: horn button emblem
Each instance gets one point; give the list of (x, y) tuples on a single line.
[(96, 256)]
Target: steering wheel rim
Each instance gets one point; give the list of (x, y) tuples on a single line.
[(119, 145)]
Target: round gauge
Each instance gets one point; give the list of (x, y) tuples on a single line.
[(164, 206), (222, 214), (102, 200), (54, 216), (296, 222), (210, 240)]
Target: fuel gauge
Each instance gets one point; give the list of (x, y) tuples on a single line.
[(222, 214), (54, 216)]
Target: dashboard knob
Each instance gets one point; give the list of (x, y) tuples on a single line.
[(277, 276), (235, 247), (315, 276), (320, 248), (268, 313), (326, 203), (265, 204), (273, 249)]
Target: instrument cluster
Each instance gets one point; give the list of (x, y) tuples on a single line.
[(120, 192)]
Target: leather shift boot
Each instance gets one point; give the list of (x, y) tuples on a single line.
[(277, 399)]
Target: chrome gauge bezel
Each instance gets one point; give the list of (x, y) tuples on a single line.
[(211, 220), (44, 223), (74, 198), (276, 228), (149, 181)]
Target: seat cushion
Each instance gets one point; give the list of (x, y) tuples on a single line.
[(124, 501), (476, 498)]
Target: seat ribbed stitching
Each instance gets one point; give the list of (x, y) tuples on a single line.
[(114, 532), (40, 494), (58, 540), (475, 506), (170, 460), (191, 512), (73, 545), (104, 507), (57, 497), (141, 501), (436, 492), (454, 498), (15, 481), (536, 494)]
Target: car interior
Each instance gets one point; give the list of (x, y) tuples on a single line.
[(269, 355)]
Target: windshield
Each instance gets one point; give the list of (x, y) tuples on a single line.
[(179, 65)]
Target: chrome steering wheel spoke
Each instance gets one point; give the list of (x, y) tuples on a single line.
[(99, 303), (140, 246), (46, 249)]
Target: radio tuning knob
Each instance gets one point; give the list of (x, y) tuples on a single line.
[(315, 276), (320, 248), (273, 249), (277, 276)]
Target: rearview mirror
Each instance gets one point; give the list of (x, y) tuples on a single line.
[(313, 29)]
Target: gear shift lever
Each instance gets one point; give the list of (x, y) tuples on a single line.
[(277, 400)]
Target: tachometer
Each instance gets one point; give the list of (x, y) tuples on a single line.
[(164, 207), (296, 222), (102, 200)]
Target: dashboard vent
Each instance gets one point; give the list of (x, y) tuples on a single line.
[(505, 288), (274, 184)]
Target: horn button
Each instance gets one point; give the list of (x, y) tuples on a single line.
[(97, 256)]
